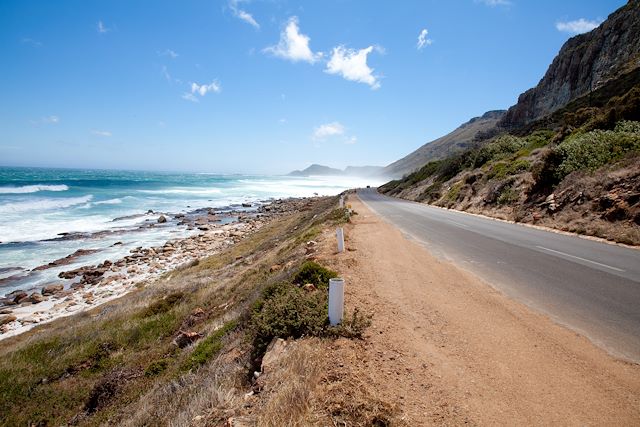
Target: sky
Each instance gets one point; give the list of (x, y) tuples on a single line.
[(263, 86)]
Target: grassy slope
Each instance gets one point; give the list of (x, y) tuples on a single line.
[(577, 170), (117, 364)]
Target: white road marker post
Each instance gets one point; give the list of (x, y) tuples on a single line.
[(340, 236), (341, 205), (336, 301)]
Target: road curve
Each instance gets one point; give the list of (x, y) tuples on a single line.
[(589, 286)]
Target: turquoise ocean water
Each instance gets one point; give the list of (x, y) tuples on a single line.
[(38, 206)]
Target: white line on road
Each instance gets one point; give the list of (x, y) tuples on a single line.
[(581, 259), (458, 223)]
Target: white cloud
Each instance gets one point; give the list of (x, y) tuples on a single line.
[(578, 26), (293, 45), (170, 53), (166, 74), (242, 14), (49, 120), (203, 89), (31, 42), (328, 130), (190, 97), (423, 40), (352, 65), (282, 121), (351, 140), (102, 133), (102, 29), (494, 3)]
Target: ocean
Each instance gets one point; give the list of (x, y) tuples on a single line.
[(47, 214)]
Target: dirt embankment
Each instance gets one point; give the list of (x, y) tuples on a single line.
[(446, 348)]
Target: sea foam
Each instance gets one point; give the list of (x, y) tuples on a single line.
[(42, 204), (32, 189)]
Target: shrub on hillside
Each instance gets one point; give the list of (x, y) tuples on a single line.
[(592, 150), (314, 273)]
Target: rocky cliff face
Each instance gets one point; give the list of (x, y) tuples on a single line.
[(585, 63)]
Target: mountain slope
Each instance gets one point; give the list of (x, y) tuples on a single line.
[(320, 170), (585, 63), (461, 138)]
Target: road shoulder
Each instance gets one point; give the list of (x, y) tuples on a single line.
[(446, 348)]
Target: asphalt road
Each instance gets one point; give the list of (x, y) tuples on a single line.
[(589, 286)]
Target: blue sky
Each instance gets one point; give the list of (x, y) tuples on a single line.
[(236, 86)]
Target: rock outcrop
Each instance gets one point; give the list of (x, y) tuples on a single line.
[(585, 63)]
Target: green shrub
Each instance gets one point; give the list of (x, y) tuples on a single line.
[(163, 304), (156, 368), (507, 196), (208, 347), (592, 150), (314, 273), (288, 311), (454, 192)]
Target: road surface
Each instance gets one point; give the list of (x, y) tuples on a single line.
[(589, 286)]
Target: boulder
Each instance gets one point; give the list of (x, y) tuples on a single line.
[(309, 287), (19, 296), (52, 289), (7, 319), (36, 298), (162, 219), (185, 338), (276, 349)]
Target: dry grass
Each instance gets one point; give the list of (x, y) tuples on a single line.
[(53, 370), (291, 385)]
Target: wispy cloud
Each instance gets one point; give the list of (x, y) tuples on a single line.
[(170, 53), (101, 133), (352, 65), (578, 26), (242, 14), (49, 120), (293, 45), (494, 3), (101, 28), (201, 90), (31, 42), (423, 40), (351, 140), (190, 97)]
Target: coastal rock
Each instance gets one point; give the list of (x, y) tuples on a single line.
[(68, 259), (185, 338), (52, 289), (36, 298), (7, 319), (20, 297), (162, 219)]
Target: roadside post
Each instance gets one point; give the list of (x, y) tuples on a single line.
[(336, 301), (340, 236), (341, 204)]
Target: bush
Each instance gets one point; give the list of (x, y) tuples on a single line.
[(507, 196), (163, 304), (156, 367), (288, 311), (314, 273), (208, 347), (592, 150)]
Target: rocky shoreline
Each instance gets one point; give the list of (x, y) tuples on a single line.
[(89, 286)]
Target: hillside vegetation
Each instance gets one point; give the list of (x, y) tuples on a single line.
[(183, 350), (580, 174)]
